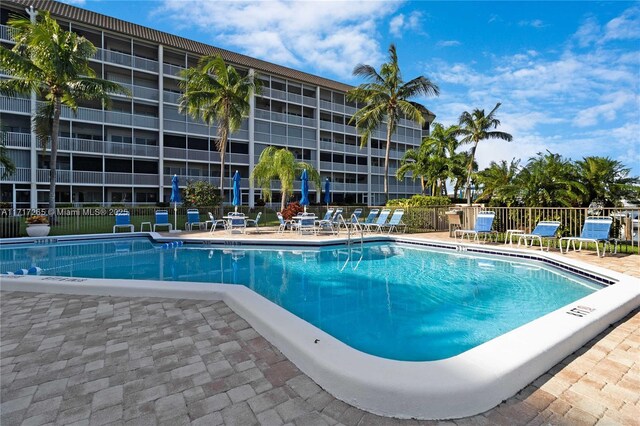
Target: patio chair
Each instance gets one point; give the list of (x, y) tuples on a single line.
[(237, 222), (123, 220), (395, 222), (595, 230), (193, 218), (162, 220), (307, 224), (326, 223), (284, 223), (371, 217), (382, 219), (254, 222), (484, 223), (214, 223), (544, 229)]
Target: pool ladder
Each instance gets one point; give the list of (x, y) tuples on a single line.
[(355, 223)]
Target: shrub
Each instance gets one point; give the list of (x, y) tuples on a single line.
[(260, 202), (419, 201), (37, 219), (292, 210), (201, 194)]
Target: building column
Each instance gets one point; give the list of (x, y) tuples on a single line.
[(319, 191), (160, 123), (369, 193), (252, 161), (33, 197)]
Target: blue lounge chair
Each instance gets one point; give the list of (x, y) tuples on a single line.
[(326, 223), (162, 220), (544, 229), (193, 218), (284, 223), (371, 217), (254, 222), (395, 222), (595, 230), (379, 223), (123, 220), (484, 223)]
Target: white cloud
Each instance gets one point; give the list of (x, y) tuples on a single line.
[(74, 2), (320, 36), (624, 27), (535, 23), (606, 111), (448, 43), (401, 23)]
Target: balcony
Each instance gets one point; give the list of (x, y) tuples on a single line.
[(17, 140), (21, 175), (127, 60), (14, 105)]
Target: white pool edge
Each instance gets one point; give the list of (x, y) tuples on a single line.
[(464, 385)]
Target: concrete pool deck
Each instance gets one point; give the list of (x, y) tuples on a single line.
[(176, 361)]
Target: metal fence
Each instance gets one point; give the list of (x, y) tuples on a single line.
[(90, 220)]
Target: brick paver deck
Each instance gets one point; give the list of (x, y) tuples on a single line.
[(96, 360)]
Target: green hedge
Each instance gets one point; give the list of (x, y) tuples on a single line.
[(419, 201)]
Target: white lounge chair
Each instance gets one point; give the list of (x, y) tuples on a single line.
[(595, 230), (544, 229), (484, 223)]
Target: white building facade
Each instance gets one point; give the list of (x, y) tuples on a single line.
[(127, 154)]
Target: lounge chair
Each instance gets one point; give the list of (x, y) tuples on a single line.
[(484, 223), (123, 220), (254, 222), (382, 219), (162, 219), (284, 223), (595, 230), (395, 222), (193, 218), (544, 229), (214, 223), (326, 223), (307, 224), (371, 218)]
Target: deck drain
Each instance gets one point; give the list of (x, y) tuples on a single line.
[(580, 311)]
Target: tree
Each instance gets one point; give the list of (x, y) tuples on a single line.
[(217, 94), (386, 98), (201, 194), (606, 180), (549, 180), (5, 161), (475, 127), (280, 164), (54, 64), (498, 182)]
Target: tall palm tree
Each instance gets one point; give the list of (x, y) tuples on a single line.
[(54, 64), (280, 163), (607, 180), (475, 127), (217, 94), (387, 99)]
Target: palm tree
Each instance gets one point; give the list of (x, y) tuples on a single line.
[(474, 128), (497, 181), (54, 64), (217, 94), (606, 180), (279, 163), (386, 98)]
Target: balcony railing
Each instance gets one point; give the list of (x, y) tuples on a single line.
[(126, 60)]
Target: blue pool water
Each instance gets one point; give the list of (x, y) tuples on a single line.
[(391, 300)]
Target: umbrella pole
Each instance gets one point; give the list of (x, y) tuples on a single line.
[(175, 216)]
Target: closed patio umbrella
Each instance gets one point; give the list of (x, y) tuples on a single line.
[(327, 192), (304, 201), (175, 199), (236, 190)]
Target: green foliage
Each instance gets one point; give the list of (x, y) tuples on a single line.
[(419, 201), (217, 94), (201, 194), (607, 181), (280, 164), (386, 98)]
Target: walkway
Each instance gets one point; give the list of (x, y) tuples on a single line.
[(109, 360)]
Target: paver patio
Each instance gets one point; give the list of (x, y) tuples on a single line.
[(112, 360)]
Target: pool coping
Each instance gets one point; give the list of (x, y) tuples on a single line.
[(464, 385)]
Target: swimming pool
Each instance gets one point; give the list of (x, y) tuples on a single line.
[(453, 386), (386, 299)]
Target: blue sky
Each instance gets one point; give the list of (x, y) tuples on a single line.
[(567, 73)]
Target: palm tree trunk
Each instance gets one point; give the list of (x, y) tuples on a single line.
[(55, 126), (470, 170), (283, 198), (422, 184), (387, 152), (223, 134)]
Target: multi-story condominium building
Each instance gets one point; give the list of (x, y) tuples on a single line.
[(129, 152)]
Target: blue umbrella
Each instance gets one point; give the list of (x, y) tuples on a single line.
[(175, 199), (236, 189), (304, 201), (327, 192)]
